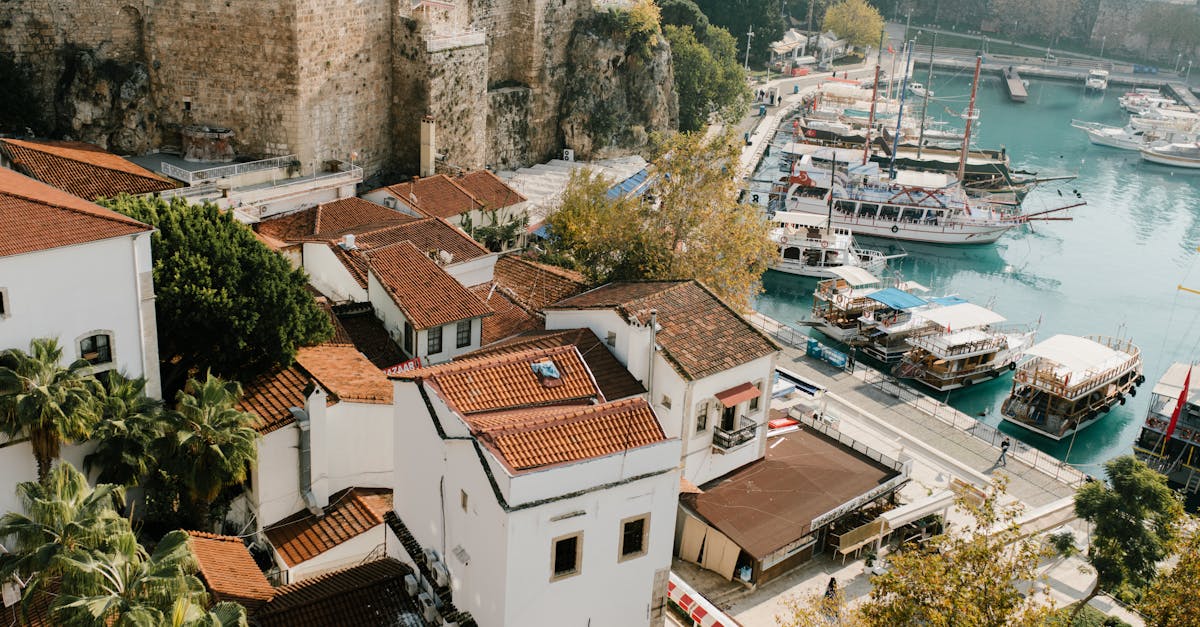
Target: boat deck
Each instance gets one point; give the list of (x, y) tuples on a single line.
[(1016, 89), (1185, 95)]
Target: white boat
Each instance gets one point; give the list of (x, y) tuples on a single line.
[(809, 247), (968, 347), (1142, 100), (1175, 155), (1166, 120), (1097, 80), (919, 90), (839, 303), (1127, 137), (1066, 383), (1177, 454)]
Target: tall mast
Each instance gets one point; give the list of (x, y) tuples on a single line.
[(900, 112), (928, 94), (962, 160), (874, 95)]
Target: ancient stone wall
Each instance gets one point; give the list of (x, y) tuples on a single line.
[(508, 128)]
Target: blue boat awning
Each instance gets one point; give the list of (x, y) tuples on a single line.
[(949, 300), (896, 299)]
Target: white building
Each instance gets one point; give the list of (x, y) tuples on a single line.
[(542, 503), (80, 273), (711, 373)]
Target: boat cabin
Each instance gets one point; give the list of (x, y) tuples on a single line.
[(1177, 457), (967, 348)]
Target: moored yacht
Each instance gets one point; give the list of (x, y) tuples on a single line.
[(968, 347), (1175, 155), (808, 246), (1097, 80), (1170, 437), (1066, 383), (839, 303)]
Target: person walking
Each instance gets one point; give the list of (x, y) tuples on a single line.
[(1003, 461)]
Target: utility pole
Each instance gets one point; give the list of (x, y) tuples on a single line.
[(749, 35), (928, 94)]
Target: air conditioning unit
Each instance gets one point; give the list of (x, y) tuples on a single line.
[(430, 556), (428, 609), (568, 154), (440, 574), (389, 202), (410, 585)]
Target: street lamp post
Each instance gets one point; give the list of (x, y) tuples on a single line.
[(1178, 61), (907, 22), (1103, 40), (1188, 76)]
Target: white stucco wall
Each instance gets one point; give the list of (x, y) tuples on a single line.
[(327, 274), (276, 477), (348, 553), (473, 271)]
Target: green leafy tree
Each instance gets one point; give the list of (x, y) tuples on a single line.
[(1172, 600), (62, 514), (225, 302), (977, 575), (856, 21), (684, 13), (209, 445), (124, 587), (737, 16), (497, 235), (708, 78), (1136, 519), (688, 225), (44, 401), (130, 423)]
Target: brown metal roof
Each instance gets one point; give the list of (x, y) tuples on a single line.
[(771, 503), (365, 595)]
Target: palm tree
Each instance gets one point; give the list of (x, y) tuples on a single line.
[(210, 442), (125, 587), (130, 422), (63, 514), (45, 402)]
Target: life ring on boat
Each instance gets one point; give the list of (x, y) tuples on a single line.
[(811, 133), (841, 300), (824, 244), (895, 229), (1012, 365), (783, 239)]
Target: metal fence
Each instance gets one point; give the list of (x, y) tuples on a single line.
[(193, 176)]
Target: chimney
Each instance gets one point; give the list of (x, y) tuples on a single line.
[(428, 146), (348, 242)]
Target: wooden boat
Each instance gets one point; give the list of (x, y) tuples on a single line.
[(1174, 155), (839, 303), (1173, 451), (1066, 383), (808, 246), (969, 347)]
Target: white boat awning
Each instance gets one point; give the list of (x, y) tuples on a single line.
[(798, 218), (1077, 354), (1171, 383), (855, 276), (961, 316), (918, 509)]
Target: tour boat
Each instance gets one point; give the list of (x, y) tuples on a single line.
[(838, 303), (1166, 120), (919, 90), (808, 246), (1066, 383), (1097, 80), (968, 347), (1175, 155), (1170, 437), (899, 316), (1142, 100)]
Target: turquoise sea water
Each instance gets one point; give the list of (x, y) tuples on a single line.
[(1112, 270)]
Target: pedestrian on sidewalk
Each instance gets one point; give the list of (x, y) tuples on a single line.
[(831, 589), (1003, 461)]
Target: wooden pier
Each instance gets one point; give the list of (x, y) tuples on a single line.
[(1016, 88), (1184, 94)]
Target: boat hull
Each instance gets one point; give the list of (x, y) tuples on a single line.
[(799, 268), (1175, 162)]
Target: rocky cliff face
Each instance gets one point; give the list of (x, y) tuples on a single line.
[(619, 89), (105, 102)]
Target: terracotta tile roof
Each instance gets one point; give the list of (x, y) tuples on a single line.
[(508, 381), (489, 189), (435, 196), (700, 334), (425, 293), (229, 571), (269, 396), (84, 170), (426, 234), (346, 373), (532, 439), (372, 339), (611, 376), (331, 220), (537, 285), (35, 216), (364, 595), (38, 610), (509, 318), (351, 512), (340, 335)]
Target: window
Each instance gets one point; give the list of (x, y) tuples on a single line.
[(754, 401), (701, 416), (3, 302), (96, 349), (612, 338), (434, 343), (633, 536), (463, 333), (463, 499), (408, 340), (666, 401), (567, 554)]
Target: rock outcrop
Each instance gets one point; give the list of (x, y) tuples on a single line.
[(105, 102)]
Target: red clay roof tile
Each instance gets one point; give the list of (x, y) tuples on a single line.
[(509, 317), (611, 376), (489, 189), (536, 285), (364, 595), (425, 293), (229, 571), (331, 220), (436, 196), (84, 170), (346, 373), (35, 216), (351, 512)]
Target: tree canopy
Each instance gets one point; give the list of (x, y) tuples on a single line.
[(856, 21), (688, 224), (1172, 600), (708, 77), (225, 302), (737, 17)]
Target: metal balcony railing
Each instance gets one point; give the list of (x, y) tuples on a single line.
[(192, 177), (727, 440)]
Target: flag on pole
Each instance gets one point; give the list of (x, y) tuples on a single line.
[(890, 49), (1179, 406)]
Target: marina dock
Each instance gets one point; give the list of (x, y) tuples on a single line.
[(1183, 94), (1016, 89)]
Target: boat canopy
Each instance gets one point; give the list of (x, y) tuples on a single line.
[(913, 286), (1078, 355), (897, 299), (962, 316), (946, 301), (1171, 384), (799, 218), (855, 276)]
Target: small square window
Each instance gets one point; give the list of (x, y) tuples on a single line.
[(611, 340), (666, 401), (463, 499), (634, 532), (434, 341), (463, 333), (567, 552), (96, 349), (753, 407), (702, 416)]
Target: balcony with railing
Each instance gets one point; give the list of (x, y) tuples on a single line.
[(725, 441)]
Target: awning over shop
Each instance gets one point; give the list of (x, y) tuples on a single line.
[(897, 299), (738, 394), (912, 512)]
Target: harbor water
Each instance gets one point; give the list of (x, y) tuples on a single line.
[(1112, 270)]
